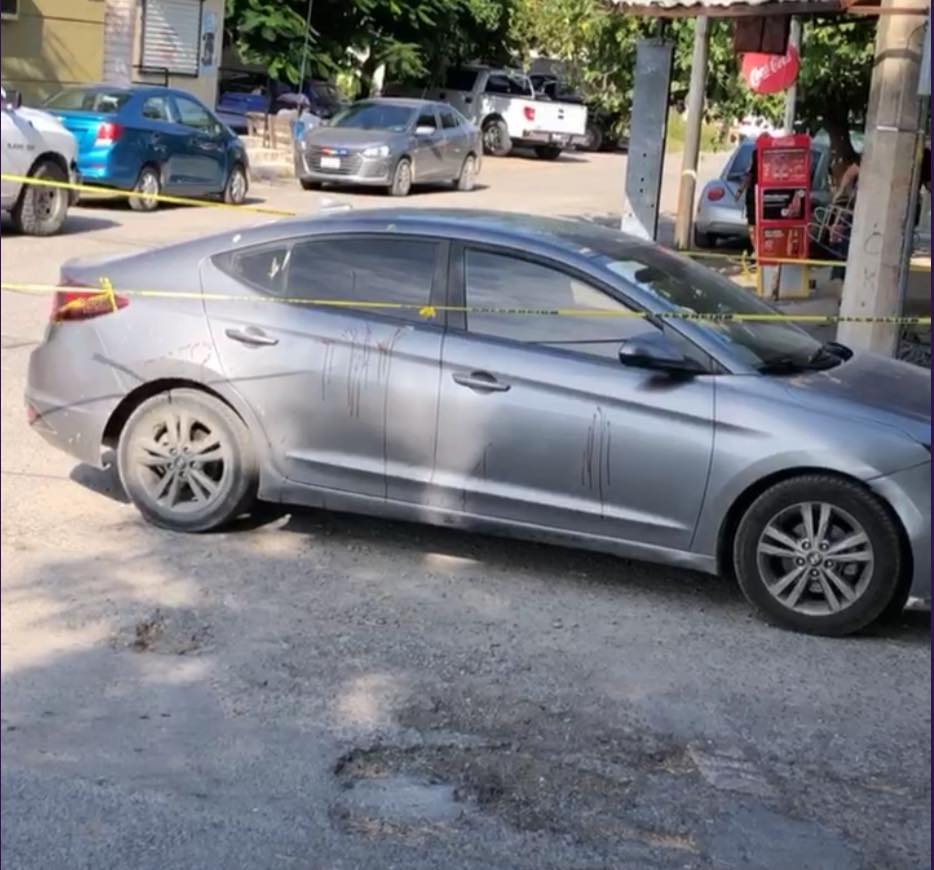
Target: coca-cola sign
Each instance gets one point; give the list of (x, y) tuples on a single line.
[(771, 73)]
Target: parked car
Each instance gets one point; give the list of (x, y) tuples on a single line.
[(250, 93), (721, 445), (35, 144), (504, 105), (721, 215), (601, 133), (751, 127), (391, 143), (152, 140)]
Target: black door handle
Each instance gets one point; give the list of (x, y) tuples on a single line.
[(482, 381), (252, 336)]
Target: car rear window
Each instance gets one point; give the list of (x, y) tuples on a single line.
[(460, 79), (103, 101)]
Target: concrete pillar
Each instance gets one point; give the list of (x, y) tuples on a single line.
[(119, 31), (684, 219), (884, 212)]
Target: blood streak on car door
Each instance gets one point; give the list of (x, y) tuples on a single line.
[(347, 397)]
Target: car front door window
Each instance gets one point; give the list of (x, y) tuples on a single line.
[(593, 322)]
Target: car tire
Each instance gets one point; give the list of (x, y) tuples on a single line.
[(496, 140), (468, 174), (593, 138), (703, 240), (401, 178), (547, 152), (41, 211), (161, 461), (237, 186), (808, 578), (148, 184), (309, 184)]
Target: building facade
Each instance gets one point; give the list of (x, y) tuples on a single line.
[(49, 44)]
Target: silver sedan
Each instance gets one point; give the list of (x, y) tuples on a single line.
[(391, 143), (507, 374)]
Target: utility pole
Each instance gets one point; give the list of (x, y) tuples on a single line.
[(791, 95), (684, 220), (301, 79), (884, 209)]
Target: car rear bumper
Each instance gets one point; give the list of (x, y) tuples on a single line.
[(714, 220), (909, 494), (545, 137), (67, 404)]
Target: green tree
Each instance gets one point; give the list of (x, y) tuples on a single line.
[(833, 85)]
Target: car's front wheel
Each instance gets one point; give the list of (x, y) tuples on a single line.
[(41, 210), (401, 182), (147, 189), (818, 554), (468, 174), (237, 186), (186, 461)]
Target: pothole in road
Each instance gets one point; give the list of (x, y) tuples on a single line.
[(168, 632)]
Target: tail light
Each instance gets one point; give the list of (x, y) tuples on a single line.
[(529, 112), (715, 194), (108, 133), (78, 302)]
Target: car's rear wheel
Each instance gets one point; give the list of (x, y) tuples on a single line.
[(818, 554), (148, 187), (186, 461), (401, 178), (237, 186), (496, 139), (593, 138), (41, 211), (468, 175)]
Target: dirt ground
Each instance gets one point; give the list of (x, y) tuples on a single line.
[(312, 690)]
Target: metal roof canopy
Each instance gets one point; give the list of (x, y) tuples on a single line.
[(758, 8)]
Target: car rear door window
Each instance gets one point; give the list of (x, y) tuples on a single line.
[(427, 119), (362, 270), (156, 109), (448, 120), (502, 281), (191, 114)]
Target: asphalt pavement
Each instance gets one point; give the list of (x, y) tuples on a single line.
[(311, 690)]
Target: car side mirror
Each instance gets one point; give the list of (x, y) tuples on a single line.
[(657, 352), (424, 132)]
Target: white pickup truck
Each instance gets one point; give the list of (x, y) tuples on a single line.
[(504, 105)]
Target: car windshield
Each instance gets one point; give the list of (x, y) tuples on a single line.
[(375, 116), (88, 100), (686, 287)]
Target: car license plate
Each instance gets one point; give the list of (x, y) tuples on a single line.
[(330, 163)]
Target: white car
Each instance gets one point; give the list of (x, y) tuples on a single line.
[(35, 144), (504, 105)]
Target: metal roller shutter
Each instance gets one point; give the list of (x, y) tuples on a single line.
[(171, 35)]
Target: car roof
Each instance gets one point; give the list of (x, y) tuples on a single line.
[(404, 102), (128, 89)]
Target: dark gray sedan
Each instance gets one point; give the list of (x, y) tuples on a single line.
[(391, 143), (504, 373)]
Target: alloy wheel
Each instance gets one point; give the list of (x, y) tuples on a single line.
[(184, 464), (815, 558)]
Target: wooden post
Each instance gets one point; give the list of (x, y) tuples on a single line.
[(684, 220)]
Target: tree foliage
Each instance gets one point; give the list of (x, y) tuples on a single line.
[(418, 39)]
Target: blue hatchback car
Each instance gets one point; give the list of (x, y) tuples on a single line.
[(152, 140)]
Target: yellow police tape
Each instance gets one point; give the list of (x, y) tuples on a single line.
[(745, 262), (157, 197), (109, 295)]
